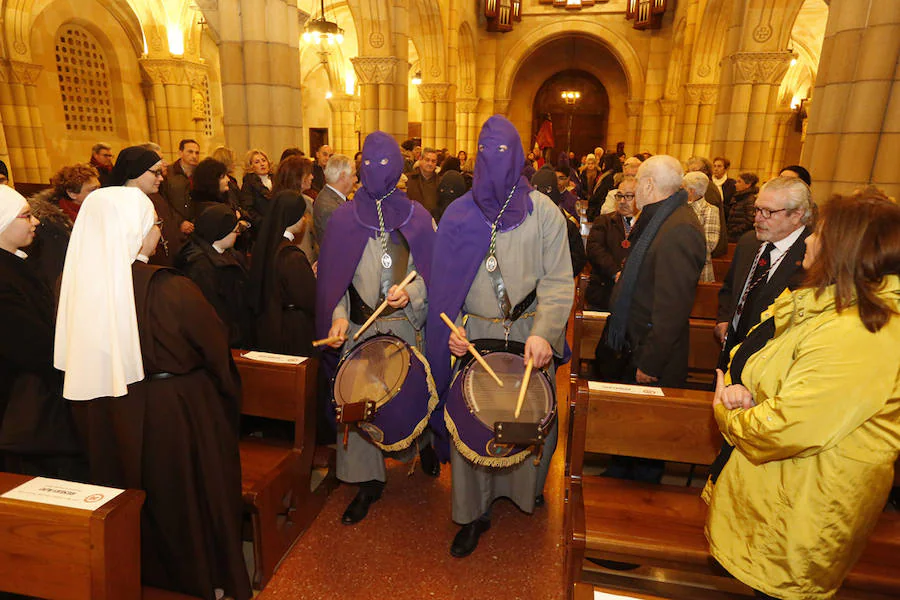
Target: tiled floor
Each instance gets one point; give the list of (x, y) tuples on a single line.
[(402, 549)]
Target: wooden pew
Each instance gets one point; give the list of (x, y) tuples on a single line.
[(277, 476), (661, 527), (704, 349), (69, 554), (720, 268)]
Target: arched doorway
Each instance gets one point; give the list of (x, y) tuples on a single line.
[(579, 126)]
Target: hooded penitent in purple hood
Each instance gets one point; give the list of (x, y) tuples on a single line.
[(355, 222), (463, 240)]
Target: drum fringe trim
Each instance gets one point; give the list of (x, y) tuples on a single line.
[(478, 459), (432, 404)]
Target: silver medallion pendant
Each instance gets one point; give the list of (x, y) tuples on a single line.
[(386, 261), (491, 263)]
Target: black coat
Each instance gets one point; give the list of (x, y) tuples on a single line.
[(34, 418), (606, 255), (741, 213), (788, 274), (255, 196), (47, 254), (286, 324), (576, 244), (658, 328), (223, 280)]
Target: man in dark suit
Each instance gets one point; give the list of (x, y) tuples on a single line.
[(423, 181), (652, 299), (608, 244), (766, 261), (340, 175), (323, 153)]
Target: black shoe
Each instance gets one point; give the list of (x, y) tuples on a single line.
[(431, 466), (359, 506), (539, 501), (466, 540)]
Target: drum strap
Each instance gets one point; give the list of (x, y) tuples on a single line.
[(510, 314), (360, 311)]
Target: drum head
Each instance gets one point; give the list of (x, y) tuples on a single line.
[(374, 370), (497, 403)]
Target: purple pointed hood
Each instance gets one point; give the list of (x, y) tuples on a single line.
[(379, 172), (498, 168)]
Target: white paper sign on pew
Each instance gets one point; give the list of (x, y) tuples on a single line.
[(69, 494), (284, 359), (621, 388), (598, 595)]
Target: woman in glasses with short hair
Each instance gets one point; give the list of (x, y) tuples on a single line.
[(37, 436), (142, 168)]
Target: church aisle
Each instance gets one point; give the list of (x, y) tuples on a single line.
[(402, 549)]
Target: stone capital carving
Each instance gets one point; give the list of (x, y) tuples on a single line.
[(760, 67), (344, 103), (196, 75), (434, 92), (19, 72), (165, 71), (466, 105), (375, 69), (501, 105), (633, 108), (701, 93), (667, 107)]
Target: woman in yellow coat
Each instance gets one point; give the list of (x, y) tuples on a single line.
[(816, 423)]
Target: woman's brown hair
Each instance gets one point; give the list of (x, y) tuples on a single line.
[(291, 172), (859, 244)]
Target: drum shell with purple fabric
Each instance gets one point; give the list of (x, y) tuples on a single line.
[(387, 370), (473, 432)]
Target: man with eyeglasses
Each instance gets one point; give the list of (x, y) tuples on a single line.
[(766, 260), (102, 160), (608, 244)]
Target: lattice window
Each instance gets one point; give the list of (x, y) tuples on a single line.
[(83, 81), (207, 110)]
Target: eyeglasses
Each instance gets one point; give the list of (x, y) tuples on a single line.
[(26, 216), (156, 172), (766, 212), (620, 196)]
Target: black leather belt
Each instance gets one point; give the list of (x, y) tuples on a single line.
[(165, 375), (291, 307), (360, 311)]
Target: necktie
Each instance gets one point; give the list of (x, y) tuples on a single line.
[(627, 225), (758, 277)]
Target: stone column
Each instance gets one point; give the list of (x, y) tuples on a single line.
[(501, 106), (666, 124), (706, 114), (467, 125), (261, 95), (376, 75), (435, 130), (782, 130), (344, 109), (633, 108), (742, 130), (22, 125), (171, 99), (853, 133)]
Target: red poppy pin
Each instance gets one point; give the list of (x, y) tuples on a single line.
[(626, 244)]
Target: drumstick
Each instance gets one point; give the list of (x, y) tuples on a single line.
[(384, 305), (472, 350), (328, 341), (522, 391)]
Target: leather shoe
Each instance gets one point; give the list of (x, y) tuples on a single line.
[(466, 540), (358, 507), (431, 466), (539, 501)]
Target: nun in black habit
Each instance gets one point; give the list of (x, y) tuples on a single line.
[(37, 435), (148, 368)]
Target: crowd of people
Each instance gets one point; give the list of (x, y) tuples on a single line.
[(124, 286)]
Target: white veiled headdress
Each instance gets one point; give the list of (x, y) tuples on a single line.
[(97, 343)]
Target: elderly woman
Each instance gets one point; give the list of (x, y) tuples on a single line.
[(812, 412), (37, 436), (149, 371)]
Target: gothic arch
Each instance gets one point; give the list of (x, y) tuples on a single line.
[(618, 46), (710, 45), (428, 37), (466, 85), (19, 15)]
